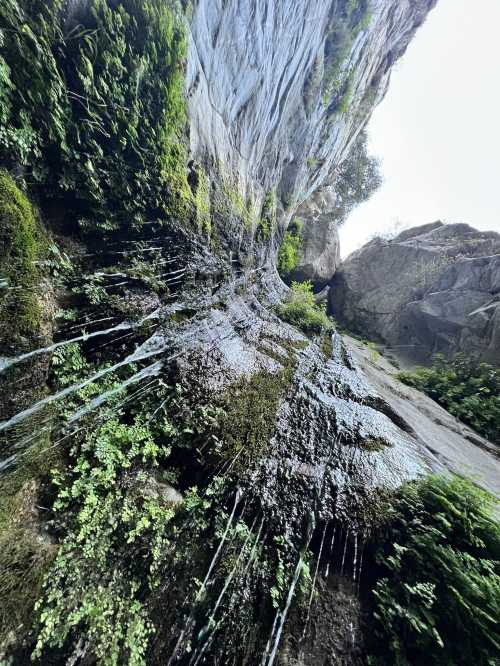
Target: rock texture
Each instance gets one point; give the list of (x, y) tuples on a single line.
[(320, 253), (256, 82), (435, 288)]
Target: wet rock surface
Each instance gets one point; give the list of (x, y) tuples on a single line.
[(431, 289), (451, 445)]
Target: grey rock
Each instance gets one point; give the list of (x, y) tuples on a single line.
[(152, 488), (254, 83), (320, 254), (431, 289)]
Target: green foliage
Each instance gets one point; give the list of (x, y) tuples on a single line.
[(267, 223), (291, 249), (21, 243), (97, 114), (302, 311), (358, 177), (467, 389), (117, 534), (202, 201), (437, 600), (345, 100)]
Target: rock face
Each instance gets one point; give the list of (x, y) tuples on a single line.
[(320, 253), (270, 99), (434, 288)]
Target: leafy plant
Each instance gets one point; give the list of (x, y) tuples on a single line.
[(290, 249), (358, 177), (302, 311), (437, 600), (466, 388), (96, 115), (118, 531)]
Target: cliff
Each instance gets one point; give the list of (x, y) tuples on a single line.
[(278, 92)]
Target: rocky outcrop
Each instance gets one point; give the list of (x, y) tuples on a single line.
[(278, 91), (320, 249), (434, 288)]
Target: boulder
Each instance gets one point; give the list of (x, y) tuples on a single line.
[(434, 288), (320, 253)]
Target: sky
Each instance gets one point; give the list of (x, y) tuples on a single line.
[(437, 132)]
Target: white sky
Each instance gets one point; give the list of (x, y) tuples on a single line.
[(438, 129)]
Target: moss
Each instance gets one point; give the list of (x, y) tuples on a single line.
[(245, 210), (374, 445), (250, 408), (24, 560), (24, 555), (347, 95), (202, 202), (327, 345), (22, 247), (267, 222)]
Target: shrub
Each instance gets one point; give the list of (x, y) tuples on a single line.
[(466, 388), (290, 250), (437, 600), (301, 310)]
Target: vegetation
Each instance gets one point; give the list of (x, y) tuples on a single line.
[(202, 200), (249, 413), (21, 240), (357, 179), (267, 223), (302, 311), (437, 600), (95, 114), (291, 248), (354, 17), (102, 565), (466, 388)]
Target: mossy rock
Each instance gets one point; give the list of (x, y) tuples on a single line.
[(21, 243), (24, 559)]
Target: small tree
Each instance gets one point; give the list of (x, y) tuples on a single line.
[(357, 178)]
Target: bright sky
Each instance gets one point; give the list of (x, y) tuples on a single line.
[(438, 129)]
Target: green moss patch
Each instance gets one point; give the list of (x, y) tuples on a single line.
[(22, 246), (249, 413)]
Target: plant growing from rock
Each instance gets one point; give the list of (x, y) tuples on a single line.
[(302, 311), (437, 598)]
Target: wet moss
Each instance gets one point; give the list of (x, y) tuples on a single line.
[(250, 408), (22, 244), (202, 201), (25, 554), (374, 445)]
